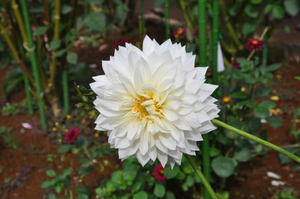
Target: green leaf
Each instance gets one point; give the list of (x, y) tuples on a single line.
[(136, 186), (278, 12), (159, 190), (268, 8), (66, 9), (261, 112), (82, 196), (48, 184), (238, 95), (248, 28), (291, 7), (267, 104), (262, 92), (65, 148), (96, 22), (40, 31), (273, 67), (52, 196), (170, 195), (140, 195), (51, 173), (54, 45), (256, 1), (223, 166), (171, 173), (213, 152), (72, 58), (251, 11), (274, 121), (243, 155)]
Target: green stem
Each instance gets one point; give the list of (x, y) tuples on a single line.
[(256, 139), (26, 82), (202, 32), (65, 90), (204, 181), (41, 104), (214, 40), (203, 62), (167, 18)]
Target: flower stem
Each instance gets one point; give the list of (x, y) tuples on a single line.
[(31, 49), (167, 18), (256, 139), (202, 178)]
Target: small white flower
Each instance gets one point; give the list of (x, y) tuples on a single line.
[(26, 125), (154, 102)]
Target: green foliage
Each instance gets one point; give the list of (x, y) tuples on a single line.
[(6, 138), (13, 109), (223, 166), (249, 106), (13, 80), (286, 194)]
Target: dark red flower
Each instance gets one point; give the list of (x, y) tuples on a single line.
[(209, 73), (120, 42), (255, 44), (235, 64), (71, 135), (196, 32), (158, 173), (180, 33)]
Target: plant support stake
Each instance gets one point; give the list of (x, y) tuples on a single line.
[(167, 18), (41, 104), (203, 62), (256, 139), (214, 40)]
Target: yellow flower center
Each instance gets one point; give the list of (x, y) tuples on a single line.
[(180, 31), (254, 42), (146, 106), (226, 100)]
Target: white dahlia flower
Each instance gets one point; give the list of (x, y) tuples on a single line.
[(154, 102)]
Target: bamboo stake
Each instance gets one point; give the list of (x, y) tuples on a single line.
[(14, 52), (20, 22), (203, 62), (214, 40), (53, 65), (167, 18), (41, 104), (26, 83), (202, 32)]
